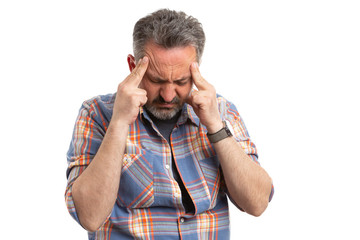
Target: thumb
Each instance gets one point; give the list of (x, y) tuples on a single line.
[(189, 99)]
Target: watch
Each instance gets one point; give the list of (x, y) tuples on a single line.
[(220, 135)]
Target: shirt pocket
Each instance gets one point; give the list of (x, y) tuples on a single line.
[(136, 182), (211, 172)]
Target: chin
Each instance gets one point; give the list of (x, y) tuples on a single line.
[(163, 113)]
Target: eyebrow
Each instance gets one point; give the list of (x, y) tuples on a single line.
[(165, 80)]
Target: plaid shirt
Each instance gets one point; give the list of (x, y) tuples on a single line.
[(149, 204)]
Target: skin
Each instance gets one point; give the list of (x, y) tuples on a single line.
[(169, 74), (95, 190), (248, 184)]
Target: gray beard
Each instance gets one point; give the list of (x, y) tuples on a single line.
[(162, 114)]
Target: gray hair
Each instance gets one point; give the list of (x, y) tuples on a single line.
[(168, 29)]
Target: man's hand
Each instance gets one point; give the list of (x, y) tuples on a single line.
[(95, 190), (252, 195), (129, 97), (204, 101)]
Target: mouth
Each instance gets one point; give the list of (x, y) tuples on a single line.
[(166, 105), (162, 109)]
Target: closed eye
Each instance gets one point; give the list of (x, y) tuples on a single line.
[(156, 81), (179, 82), (182, 82)]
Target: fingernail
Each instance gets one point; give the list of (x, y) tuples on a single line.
[(195, 64), (145, 59)]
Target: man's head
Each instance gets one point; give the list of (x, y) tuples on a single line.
[(172, 41), (168, 29)]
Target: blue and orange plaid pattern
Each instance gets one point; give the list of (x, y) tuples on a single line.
[(149, 204)]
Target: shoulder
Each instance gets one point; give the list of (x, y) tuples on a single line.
[(99, 108), (100, 102), (225, 106), (229, 113)]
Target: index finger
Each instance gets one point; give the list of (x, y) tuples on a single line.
[(199, 81), (138, 72)]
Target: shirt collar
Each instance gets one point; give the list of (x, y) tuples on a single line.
[(188, 114)]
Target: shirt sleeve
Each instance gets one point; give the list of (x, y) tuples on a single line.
[(87, 136), (229, 113)]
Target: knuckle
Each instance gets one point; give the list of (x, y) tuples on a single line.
[(133, 98), (122, 88), (143, 91)]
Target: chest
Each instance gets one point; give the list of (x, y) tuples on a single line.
[(147, 177)]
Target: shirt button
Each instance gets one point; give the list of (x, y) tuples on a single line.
[(182, 220), (167, 166)]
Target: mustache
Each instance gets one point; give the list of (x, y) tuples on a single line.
[(160, 100)]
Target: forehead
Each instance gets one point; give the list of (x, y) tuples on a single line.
[(169, 63)]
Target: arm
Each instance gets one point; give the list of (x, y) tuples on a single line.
[(248, 184), (95, 191)]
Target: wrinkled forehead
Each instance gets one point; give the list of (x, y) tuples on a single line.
[(169, 63)]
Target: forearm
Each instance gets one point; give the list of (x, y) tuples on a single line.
[(247, 182), (95, 190)]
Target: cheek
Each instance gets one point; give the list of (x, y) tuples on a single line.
[(151, 90), (184, 91)]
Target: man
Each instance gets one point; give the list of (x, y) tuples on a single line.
[(157, 159)]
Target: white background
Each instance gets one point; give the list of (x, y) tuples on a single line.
[(291, 68)]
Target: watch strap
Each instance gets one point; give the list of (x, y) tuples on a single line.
[(220, 135)]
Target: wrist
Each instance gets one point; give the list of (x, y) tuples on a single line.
[(221, 134), (214, 128), (118, 127)]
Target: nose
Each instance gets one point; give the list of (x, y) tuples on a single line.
[(168, 92)]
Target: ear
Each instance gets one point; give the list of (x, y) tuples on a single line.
[(131, 62)]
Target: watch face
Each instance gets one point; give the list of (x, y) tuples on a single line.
[(229, 127)]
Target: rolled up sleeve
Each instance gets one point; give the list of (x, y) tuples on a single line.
[(87, 136)]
